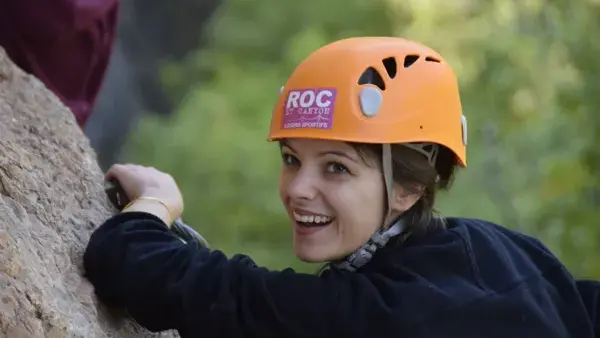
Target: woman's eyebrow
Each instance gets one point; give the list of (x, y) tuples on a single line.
[(338, 153)]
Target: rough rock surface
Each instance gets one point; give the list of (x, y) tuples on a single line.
[(51, 198)]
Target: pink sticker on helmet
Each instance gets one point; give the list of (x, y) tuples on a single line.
[(309, 108)]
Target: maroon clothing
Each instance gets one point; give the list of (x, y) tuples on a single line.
[(64, 43)]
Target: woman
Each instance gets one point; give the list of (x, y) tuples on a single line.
[(369, 129)]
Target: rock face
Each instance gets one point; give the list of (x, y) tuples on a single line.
[(51, 198)]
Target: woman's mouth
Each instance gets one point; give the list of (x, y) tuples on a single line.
[(311, 220)]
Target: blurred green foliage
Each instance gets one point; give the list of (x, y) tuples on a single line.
[(529, 81)]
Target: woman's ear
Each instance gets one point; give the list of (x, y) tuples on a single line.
[(403, 199)]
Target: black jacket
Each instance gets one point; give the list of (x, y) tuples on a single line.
[(474, 279)]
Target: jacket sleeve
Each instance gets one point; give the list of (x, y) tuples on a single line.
[(590, 294), (57, 19), (135, 262)]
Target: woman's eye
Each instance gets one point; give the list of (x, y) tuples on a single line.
[(337, 168), (290, 159)]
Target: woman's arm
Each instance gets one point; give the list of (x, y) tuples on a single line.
[(135, 262)]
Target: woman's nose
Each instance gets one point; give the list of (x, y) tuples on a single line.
[(304, 184)]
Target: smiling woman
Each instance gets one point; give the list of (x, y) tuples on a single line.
[(328, 178), (335, 195), (369, 130)]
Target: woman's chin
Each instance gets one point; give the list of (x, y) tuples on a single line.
[(315, 253), (317, 244), (309, 254), (310, 258)]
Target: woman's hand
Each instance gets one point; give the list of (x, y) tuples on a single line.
[(139, 181)]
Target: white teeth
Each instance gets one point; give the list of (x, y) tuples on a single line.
[(312, 218)]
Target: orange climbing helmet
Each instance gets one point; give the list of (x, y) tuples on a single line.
[(373, 90)]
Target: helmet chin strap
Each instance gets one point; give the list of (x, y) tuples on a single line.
[(388, 178)]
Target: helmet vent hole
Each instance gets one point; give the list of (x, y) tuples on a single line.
[(409, 60), (372, 76), (390, 66), (432, 59)]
